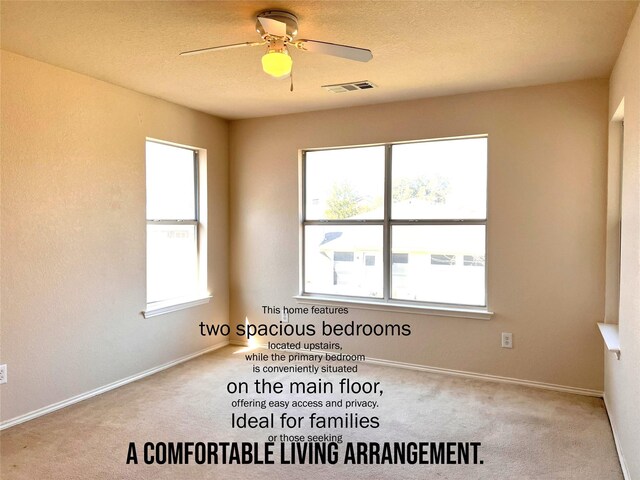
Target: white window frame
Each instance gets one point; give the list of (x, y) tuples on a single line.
[(200, 295), (386, 302)]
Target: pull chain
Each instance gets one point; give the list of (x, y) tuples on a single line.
[(291, 78)]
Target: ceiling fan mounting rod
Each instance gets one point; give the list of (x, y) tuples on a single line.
[(276, 44)]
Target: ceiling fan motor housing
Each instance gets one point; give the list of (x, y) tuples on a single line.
[(289, 19)]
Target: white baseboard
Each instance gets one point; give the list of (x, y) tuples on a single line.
[(97, 391), (491, 378), (623, 465), (465, 374), (389, 363)]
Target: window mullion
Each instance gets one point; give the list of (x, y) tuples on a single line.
[(196, 198), (386, 228), (196, 201), (303, 217)]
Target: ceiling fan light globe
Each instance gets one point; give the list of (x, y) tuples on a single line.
[(277, 64)]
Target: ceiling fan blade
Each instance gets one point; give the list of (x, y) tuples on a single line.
[(344, 51), (222, 47), (273, 27)]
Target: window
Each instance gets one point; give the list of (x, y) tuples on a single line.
[(175, 267), (419, 207)]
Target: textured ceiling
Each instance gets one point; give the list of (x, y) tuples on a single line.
[(420, 48)]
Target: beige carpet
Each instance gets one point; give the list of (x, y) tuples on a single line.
[(525, 433)]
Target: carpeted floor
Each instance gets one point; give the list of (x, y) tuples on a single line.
[(525, 433)]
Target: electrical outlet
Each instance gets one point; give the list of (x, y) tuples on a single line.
[(3, 373), (285, 317), (507, 340)]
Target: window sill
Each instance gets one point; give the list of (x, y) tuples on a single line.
[(611, 337), (168, 306), (396, 306)]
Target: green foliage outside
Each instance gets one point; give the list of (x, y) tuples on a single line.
[(344, 202), (430, 190)]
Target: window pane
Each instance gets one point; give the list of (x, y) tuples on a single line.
[(170, 183), (345, 183), (172, 261), (440, 180), (343, 260), (444, 264)]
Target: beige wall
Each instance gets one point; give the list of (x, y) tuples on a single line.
[(546, 233), (73, 252), (622, 377), (73, 233)]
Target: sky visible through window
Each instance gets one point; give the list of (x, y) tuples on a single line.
[(448, 176), (170, 182)]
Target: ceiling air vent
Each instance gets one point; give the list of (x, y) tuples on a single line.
[(349, 87)]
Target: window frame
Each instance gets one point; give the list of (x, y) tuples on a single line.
[(387, 223), (200, 295)]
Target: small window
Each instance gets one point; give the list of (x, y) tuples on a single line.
[(172, 222), (370, 260)]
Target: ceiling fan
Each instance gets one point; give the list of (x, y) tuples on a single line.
[(278, 30)]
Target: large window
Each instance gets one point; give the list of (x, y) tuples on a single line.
[(173, 254), (397, 222)]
